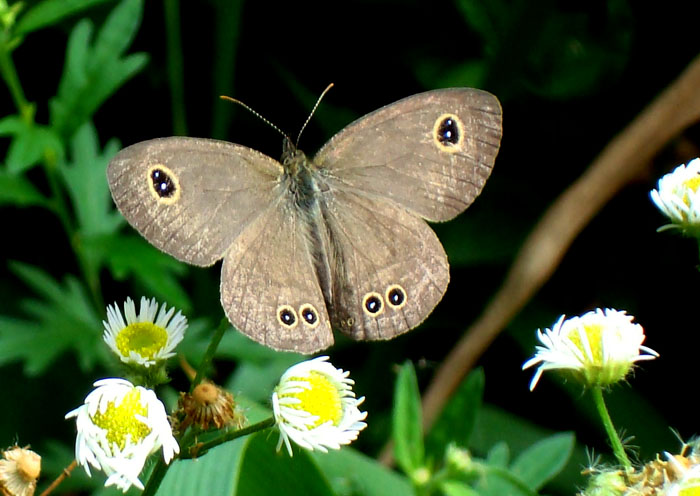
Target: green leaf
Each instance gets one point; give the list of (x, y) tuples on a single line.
[(266, 472), (49, 12), (249, 465), (92, 73), (544, 459), (456, 488), (407, 421), (16, 190), (12, 124), (498, 455), (255, 378), (456, 421), (485, 18), (215, 473), (352, 472), (62, 320), (132, 256), (87, 185), (31, 144)]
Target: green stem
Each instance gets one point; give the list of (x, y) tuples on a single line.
[(156, 477), (209, 354), (58, 204), (202, 448), (618, 448), (161, 468), (9, 74)]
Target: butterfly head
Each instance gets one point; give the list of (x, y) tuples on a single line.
[(293, 159)]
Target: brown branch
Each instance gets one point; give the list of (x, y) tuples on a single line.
[(65, 473), (623, 159)]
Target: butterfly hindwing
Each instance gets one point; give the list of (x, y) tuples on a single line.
[(389, 268), (269, 287)]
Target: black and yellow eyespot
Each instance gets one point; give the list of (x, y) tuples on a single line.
[(372, 304), (448, 133), (396, 296), (287, 316), (163, 184), (309, 315)]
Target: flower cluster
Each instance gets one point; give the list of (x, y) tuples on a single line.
[(121, 424)]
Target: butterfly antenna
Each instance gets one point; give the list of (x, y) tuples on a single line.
[(311, 114), (224, 97)]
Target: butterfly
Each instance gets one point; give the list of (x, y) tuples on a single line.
[(339, 240)]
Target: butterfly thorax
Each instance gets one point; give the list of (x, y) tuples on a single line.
[(298, 173)]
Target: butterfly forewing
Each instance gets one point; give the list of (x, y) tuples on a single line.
[(430, 152), (191, 197)]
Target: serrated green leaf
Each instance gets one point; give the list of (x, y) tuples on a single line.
[(87, 187), (49, 12), (408, 421), (543, 460), (16, 338), (62, 320), (456, 421), (92, 73), (16, 190), (131, 256), (117, 32), (31, 144)]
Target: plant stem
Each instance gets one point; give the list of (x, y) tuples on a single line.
[(9, 74), (615, 442), (209, 354), (202, 448)]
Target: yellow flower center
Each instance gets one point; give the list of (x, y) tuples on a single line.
[(594, 333), (692, 490), (120, 421), (322, 399), (144, 338), (693, 184)]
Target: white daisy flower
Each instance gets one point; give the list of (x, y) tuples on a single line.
[(597, 348), (119, 426), (19, 470), (145, 339), (315, 407), (678, 197)]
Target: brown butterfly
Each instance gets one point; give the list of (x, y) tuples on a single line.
[(339, 240)]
